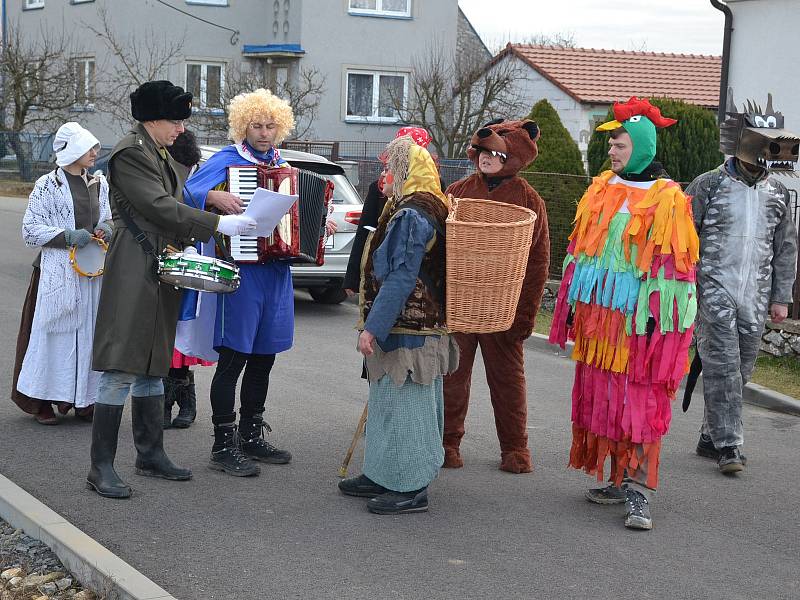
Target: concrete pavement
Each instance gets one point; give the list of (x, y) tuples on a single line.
[(489, 534)]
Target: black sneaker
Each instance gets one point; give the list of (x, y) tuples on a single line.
[(731, 460), (395, 503), (638, 511), (361, 486), (705, 447), (610, 494)]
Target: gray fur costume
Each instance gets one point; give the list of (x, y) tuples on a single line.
[(748, 253)]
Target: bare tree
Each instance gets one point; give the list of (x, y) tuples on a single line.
[(133, 58), (559, 39), (304, 95), (452, 96), (39, 88), (565, 39)]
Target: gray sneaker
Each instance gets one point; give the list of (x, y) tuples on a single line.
[(638, 511), (606, 495)]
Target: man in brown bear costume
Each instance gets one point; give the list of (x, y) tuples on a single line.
[(500, 150)]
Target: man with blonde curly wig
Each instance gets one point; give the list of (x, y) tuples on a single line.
[(256, 322)]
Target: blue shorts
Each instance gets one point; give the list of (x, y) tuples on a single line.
[(258, 318)]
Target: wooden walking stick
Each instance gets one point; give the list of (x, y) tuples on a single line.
[(362, 422)]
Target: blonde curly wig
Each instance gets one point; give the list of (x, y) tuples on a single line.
[(256, 106)]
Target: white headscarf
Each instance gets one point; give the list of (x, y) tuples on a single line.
[(71, 142)]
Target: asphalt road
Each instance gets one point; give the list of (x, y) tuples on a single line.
[(488, 534)]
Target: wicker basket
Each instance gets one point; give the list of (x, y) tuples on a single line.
[(487, 253)]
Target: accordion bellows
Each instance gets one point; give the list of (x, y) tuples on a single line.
[(487, 253)]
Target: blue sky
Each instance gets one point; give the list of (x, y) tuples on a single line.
[(680, 26)]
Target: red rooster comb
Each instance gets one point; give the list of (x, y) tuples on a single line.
[(640, 106)]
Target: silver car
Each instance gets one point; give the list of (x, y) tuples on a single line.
[(324, 283)]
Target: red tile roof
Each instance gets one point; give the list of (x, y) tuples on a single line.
[(603, 76)]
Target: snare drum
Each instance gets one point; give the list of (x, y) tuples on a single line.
[(197, 272), (89, 260)]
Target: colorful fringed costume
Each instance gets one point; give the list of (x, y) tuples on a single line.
[(627, 299)]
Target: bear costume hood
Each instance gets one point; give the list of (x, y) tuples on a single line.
[(514, 140)]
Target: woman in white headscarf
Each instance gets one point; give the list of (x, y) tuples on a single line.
[(67, 208)]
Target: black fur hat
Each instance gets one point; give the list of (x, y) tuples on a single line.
[(156, 100)]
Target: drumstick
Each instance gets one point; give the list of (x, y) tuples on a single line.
[(357, 434)]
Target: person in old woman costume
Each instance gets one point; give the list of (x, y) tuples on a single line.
[(66, 208), (403, 337), (137, 315)]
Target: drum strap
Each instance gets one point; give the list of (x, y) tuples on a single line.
[(139, 235)]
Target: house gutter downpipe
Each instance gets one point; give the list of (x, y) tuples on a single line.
[(726, 57)]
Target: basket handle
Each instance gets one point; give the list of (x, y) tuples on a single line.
[(453, 207)]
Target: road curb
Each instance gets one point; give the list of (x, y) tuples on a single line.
[(755, 394), (93, 564)]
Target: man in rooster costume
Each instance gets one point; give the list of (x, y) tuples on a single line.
[(627, 299)]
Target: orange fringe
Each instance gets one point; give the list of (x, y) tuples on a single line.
[(600, 338), (589, 452), (661, 222)]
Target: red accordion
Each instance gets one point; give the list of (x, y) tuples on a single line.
[(300, 234)]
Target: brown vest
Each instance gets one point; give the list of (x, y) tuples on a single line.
[(424, 311)]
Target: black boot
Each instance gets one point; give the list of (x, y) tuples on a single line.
[(172, 390), (102, 477), (251, 431), (148, 437), (227, 456), (187, 402)]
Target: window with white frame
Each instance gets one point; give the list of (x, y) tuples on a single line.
[(33, 4), (375, 96), (387, 8), (84, 72), (206, 83)]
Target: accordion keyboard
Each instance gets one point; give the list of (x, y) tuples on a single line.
[(243, 181)]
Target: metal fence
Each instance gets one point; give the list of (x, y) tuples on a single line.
[(25, 156)]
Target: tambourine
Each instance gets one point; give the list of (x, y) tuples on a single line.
[(89, 260)]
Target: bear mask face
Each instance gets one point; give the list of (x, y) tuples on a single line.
[(513, 140)]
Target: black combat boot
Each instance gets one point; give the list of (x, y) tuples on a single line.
[(148, 437), (187, 402), (251, 432), (102, 477), (227, 456)]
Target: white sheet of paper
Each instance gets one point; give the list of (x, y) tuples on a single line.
[(267, 208)]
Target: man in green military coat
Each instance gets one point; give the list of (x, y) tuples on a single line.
[(137, 316)]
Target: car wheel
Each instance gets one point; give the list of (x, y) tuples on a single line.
[(328, 295)]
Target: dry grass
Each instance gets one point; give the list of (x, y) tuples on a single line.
[(779, 374)]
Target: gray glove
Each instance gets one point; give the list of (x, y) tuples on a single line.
[(107, 229), (77, 237)]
